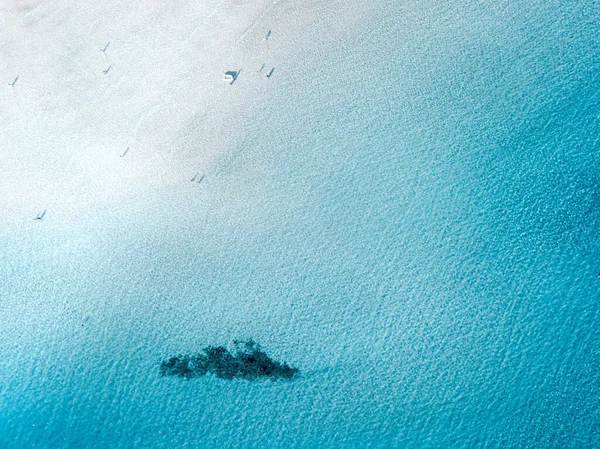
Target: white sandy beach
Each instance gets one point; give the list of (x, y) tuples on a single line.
[(65, 123)]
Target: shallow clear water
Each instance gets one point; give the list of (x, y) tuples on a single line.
[(409, 214)]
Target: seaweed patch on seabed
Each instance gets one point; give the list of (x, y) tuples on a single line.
[(246, 361)]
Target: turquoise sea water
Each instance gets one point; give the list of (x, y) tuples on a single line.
[(409, 213)]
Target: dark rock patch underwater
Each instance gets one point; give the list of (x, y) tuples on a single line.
[(246, 361)]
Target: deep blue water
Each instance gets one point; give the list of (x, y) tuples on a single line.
[(409, 213)]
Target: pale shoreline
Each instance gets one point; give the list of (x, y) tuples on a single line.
[(67, 122)]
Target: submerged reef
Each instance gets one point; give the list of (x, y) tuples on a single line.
[(246, 361)]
